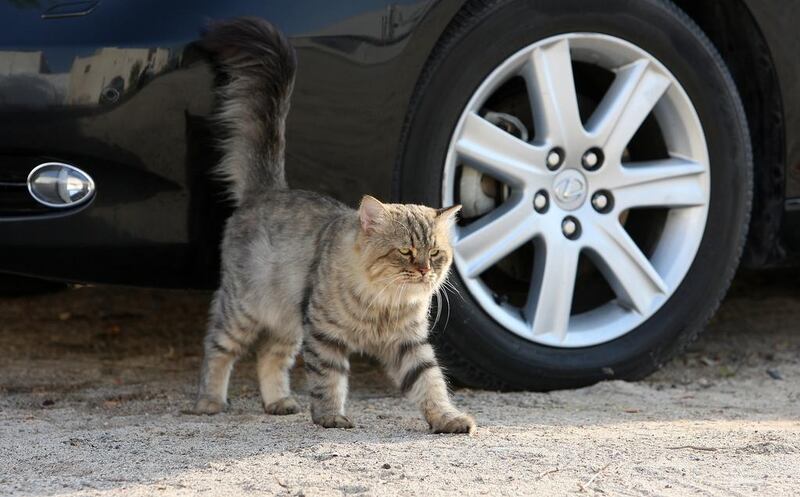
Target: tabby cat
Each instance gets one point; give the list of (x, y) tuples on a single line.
[(303, 271)]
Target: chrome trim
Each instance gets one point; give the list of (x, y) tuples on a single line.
[(61, 206)]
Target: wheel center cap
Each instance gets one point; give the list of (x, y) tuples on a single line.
[(570, 189)]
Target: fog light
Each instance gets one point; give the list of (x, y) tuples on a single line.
[(60, 185)]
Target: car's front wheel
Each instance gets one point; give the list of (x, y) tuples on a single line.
[(601, 155)]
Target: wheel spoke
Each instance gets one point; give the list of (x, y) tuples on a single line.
[(634, 93), (486, 147), (625, 267), (552, 286), (665, 183), (551, 89), (497, 234)]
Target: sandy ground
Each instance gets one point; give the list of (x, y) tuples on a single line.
[(93, 383)]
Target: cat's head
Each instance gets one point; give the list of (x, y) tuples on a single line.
[(406, 245)]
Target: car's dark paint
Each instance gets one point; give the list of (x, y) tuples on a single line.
[(157, 216), (779, 21), (737, 35), (146, 138)]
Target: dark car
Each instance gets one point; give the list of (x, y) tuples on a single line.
[(614, 158)]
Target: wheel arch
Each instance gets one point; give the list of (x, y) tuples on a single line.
[(737, 36)]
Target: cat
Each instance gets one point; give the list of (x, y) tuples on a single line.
[(304, 271)]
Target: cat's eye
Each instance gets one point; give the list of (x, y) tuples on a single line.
[(405, 251), (434, 252)]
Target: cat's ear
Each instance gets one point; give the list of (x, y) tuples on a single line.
[(370, 213), (448, 214)]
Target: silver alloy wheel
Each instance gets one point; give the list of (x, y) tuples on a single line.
[(588, 194)]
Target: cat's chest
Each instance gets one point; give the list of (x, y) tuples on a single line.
[(381, 326)]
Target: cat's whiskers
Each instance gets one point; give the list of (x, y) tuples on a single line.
[(438, 308), (447, 318), (449, 285)]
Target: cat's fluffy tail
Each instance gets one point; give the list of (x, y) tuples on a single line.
[(259, 67)]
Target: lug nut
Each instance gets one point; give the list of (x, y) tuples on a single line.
[(599, 201), (592, 159), (555, 158), (602, 202), (571, 227), (541, 202)]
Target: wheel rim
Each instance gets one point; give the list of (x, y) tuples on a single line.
[(571, 191)]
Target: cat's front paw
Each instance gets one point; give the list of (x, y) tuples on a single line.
[(462, 423), (333, 421), (204, 405), (282, 407)]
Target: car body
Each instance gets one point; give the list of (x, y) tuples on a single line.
[(157, 215), (122, 91)]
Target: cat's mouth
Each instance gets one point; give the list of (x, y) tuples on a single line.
[(419, 280)]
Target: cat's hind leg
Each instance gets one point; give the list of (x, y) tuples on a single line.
[(230, 333), (275, 358)]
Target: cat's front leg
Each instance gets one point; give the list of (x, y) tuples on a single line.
[(413, 366), (327, 367)]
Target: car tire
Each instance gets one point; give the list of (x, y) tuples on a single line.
[(476, 348)]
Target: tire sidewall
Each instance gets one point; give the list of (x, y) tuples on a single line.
[(461, 64)]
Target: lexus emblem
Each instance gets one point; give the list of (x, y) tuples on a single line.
[(569, 189)]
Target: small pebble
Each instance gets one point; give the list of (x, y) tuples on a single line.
[(774, 374), (386, 466), (708, 361)]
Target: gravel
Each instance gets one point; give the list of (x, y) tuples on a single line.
[(94, 383)]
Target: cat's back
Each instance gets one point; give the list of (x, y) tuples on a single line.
[(283, 218), (301, 209)]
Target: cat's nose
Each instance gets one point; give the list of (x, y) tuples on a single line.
[(423, 270)]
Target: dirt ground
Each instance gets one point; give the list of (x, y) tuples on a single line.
[(93, 383)]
